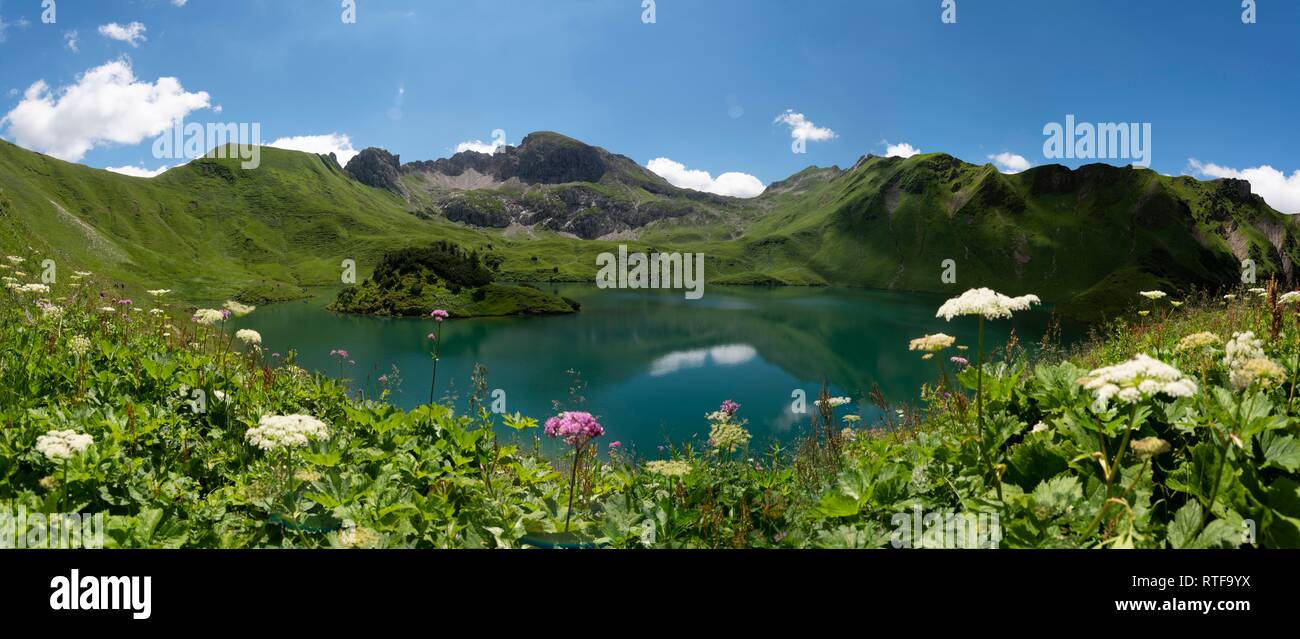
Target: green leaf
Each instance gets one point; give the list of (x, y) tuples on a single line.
[(1196, 475), (1280, 451), (1220, 533), (1056, 496), (1182, 529), (837, 505), (324, 500), (1033, 462), (890, 484), (1284, 497), (517, 421), (146, 521), (1185, 529), (325, 459)]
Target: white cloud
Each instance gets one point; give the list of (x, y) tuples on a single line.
[(70, 39), (339, 145), (137, 171), (903, 150), (1010, 162), (803, 129), (732, 184), (1281, 191), (3, 27), (107, 105), (480, 146), (132, 34), (179, 3)]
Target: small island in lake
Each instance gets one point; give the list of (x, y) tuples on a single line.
[(410, 282)]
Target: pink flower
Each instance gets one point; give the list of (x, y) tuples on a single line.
[(440, 315), (729, 407), (432, 337), (575, 428), (125, 303), (960, 361), (615, 446)]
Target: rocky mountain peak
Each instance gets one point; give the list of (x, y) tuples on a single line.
[(1235, 189), (378, 168), (541, 158)]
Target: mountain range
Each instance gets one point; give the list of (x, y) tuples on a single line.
[(1087, 239)]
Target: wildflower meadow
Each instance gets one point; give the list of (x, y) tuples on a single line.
[(1174, 426)]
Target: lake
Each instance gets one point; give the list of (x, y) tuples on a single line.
[(653, 362)]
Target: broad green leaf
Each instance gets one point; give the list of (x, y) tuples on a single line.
[(837, 505), (1034, 461), (1056, 496), (1196, 475), (324, 459), (1183, 528), (1280, 451)]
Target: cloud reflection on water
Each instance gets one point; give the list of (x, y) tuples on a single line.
[(725, 355)]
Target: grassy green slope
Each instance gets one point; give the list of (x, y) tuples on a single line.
[(210, 229), (1086, 238)]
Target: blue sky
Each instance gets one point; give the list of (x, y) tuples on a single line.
[(702, 85)]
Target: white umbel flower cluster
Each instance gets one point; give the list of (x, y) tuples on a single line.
[(835, 402), (29, 288), (62, 445), (1135, 380), (1247, 363), (249, 337), (1198, 342), (1242, 348), (208, 316), (932, 343), (1153, 295), (357, 537), (286, 431), (673, 468), (79, 345), (986, 303)]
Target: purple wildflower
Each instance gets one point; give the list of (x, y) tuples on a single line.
[(576, 428), (440, 315), (960, 361), (729, 407)]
